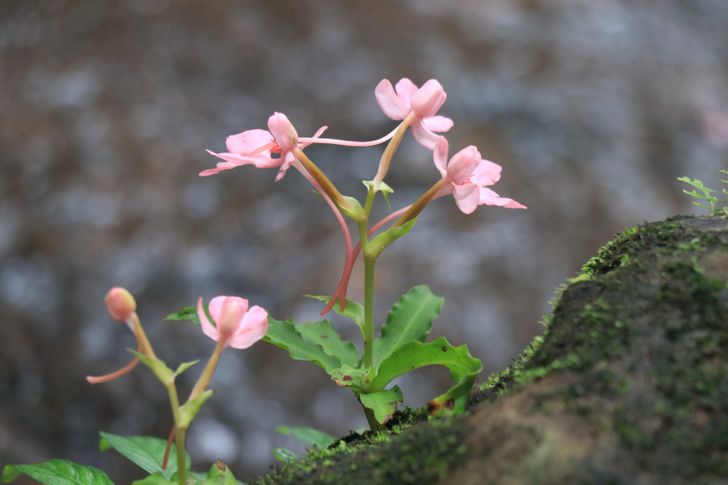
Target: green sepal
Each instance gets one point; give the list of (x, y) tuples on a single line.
[(324, 334), (354, 310), (385, 189), (380, 242), (463, 367), (186, 314), (284, 455), (158, 367), (354, 211), (189, 410), (410, 319), (285, 335), (308, 435), (147, 452), (382, 403), (57, 472)]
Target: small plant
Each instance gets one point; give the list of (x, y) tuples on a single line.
[(401, 345), (704, 197)]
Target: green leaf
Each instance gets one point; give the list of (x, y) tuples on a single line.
[(409, 320), (184, 366), (354, 310), (308, 435), (157, 366), (187, 314), (147, 452), (464, 368), (155, 479), (323, 333), (57, 472), (382, 403), (284, 455), (348, 376), (285, 335), (189, 410)]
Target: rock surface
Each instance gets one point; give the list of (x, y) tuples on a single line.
[(628, 384)]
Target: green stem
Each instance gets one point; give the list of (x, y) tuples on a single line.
[(391, 148), (369, 264), (204, 380), (179, 433)]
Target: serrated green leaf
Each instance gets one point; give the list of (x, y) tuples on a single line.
[(189, 410), (284, 334), (284, 455), (157, 366), (323, 333), (409, 320), (348, 376), (382, 403), (57, 472), (463, 367), (354, 310), (186, 314), (147, 452), (308, 435), (184, 366)]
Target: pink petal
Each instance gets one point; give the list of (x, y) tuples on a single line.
[(439, 154), (233, 312), (253, 328), (425, 137), (428, 100), (439, 124), (390, 103), (248, 141), (462, 164), (489, 197), (487, 173), (405, 90), (207, 327), (466, 197), (287, 159)]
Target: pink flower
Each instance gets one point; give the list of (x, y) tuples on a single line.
[(423, 103), (467, 177), (236, 325), (258, 147)]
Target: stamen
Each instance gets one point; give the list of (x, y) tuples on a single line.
[(272, 146)]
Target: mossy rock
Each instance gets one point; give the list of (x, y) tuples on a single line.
[(628, 384)]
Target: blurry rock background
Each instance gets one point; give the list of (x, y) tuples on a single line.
[(592, 107)]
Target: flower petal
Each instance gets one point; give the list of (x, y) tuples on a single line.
[(253, 328), (283, 131), (248, 141), (466, 197), (207, 327), (487, 173), (425, 137), (439, 154), (489, 197), (390, 103), (405, 89), (461, 165), (438, 124), (428, 100)]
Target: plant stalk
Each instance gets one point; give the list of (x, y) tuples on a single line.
[(179, 434)]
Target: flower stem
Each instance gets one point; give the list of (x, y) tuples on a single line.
[(326, 184), (369, 264), (415, 209), (204, 380), (179, 433), (391, 148)]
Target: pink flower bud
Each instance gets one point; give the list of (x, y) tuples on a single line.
[(120, 304), (283, 131)]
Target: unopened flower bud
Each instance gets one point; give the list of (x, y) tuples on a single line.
[(283, 132), (120, 304)]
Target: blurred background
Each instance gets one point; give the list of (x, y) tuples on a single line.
[(592, 107)]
